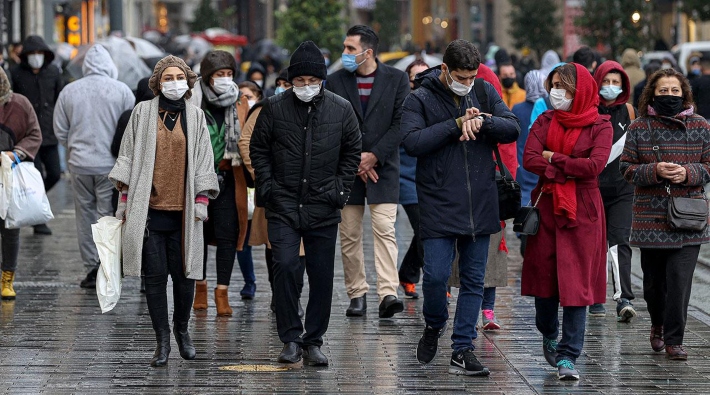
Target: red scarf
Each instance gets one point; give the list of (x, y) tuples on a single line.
[(565, 128)]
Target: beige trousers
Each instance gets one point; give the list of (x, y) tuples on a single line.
[(383, 218)]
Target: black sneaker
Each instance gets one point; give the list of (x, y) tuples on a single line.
[(429, 343), (467, 364), (597, 310), (90, 280), (625, 311)]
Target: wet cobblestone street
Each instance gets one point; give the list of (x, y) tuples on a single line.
[(54, 339)]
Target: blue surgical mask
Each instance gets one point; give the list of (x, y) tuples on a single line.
[(349, 63), (279, 89), (610, 92)]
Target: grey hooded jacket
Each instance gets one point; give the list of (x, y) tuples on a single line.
[(87, 112)]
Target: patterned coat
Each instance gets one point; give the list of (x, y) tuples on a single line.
[(684, 140)]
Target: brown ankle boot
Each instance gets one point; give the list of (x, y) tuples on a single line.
[(222, 301), (200, 302)]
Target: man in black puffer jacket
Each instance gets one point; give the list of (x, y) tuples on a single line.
[(445, 128), (40, 81), (305, 151)]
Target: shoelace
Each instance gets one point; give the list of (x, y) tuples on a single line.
[(431, 336), (565, 364), (550, 345)]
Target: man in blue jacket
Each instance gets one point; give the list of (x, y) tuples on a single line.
[(452, 133)]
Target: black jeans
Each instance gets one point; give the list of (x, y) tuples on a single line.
[(222, 226), (618, 232), (319, 245), (162, 255), (574, 318), (47, 162), (10, 247), (411, 269), (667, 279)]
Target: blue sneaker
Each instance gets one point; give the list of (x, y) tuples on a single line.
[(566, 370), (549, 350)]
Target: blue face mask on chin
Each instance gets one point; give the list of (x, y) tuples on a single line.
[(349, 62)]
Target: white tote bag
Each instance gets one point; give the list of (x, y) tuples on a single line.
[(29, 204), (107, 237), (5, 183)]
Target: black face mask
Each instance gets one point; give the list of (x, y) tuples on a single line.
[(507, 82), (668, 105)]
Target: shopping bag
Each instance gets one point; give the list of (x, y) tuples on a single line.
[(5, 183), (28, 204), (107, 237), (250, 203)]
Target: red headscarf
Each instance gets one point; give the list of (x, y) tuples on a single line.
[(565, 128)]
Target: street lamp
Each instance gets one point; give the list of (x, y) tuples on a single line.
[(635, 17)]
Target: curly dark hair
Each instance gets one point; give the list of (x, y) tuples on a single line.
[(649, 92)]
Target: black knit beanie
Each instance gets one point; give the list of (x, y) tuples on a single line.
[(307, 60), (216, 60)]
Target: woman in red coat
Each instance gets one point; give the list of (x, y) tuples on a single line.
[(565, 262)]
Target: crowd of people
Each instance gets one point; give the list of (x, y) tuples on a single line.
[(600, 148)]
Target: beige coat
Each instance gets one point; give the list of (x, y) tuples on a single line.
[(134, 167)]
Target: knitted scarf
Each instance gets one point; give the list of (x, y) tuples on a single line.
[(565, 128), (232, 130)]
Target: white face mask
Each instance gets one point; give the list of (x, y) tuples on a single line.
[(222, 84), (35, 60), (251, 103), (458, 88), (259, 83), (174, 90), (559, 101), (306, 93)]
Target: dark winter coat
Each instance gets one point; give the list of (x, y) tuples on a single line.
[(380, 126), (611, 181), (455, 180), (305, 157), (526, 179), (683, 140), (568, 261), (41, 89)]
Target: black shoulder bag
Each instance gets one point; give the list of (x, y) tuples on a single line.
[(509, 193), (684, 213), (527, 220)]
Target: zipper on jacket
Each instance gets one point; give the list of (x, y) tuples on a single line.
[(468, 181)]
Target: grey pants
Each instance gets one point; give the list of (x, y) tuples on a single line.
[(10, 247), (92, 200)]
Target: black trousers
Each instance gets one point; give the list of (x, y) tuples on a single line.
[(269, 256), (47, 162), (319, 245), (222, 227), (162, 255), (667, 279), (618, 233), (411, 269)]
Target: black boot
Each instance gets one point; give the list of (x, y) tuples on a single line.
[(162, 351), (182, 337)]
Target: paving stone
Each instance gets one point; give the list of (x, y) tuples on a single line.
[(54, 339)]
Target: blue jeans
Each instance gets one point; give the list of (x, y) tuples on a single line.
[(573, 320), (489, 298), (439, 253), (246, 262)]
